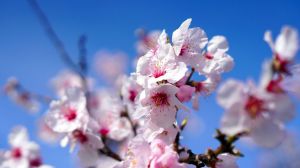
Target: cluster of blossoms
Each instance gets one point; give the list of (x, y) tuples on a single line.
[(23, 153), (134, 123), (263, 110)]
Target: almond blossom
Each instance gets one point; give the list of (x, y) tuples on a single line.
[(159, 64), (147, 41), (162, 104), (156, 155), (64, 80), (252, 109), (106, 110), (23, 153), (215, 60), (284, 48), (20, 96), (188, 43), (69, 113)]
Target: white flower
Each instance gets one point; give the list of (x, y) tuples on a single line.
[(69, 113), (286, 44), (23, 153), (109, 65), (215, 60), (188, 43), (160, 64), (64, 80), (254, 110)]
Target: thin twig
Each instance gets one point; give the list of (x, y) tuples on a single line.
[(190, 76), (57, 43)]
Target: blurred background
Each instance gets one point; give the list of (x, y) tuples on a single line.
[(27, 54)]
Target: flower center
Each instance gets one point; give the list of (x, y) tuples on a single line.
[(132, 95), (254, 106), (104, 131), (184, 49), (35, 162), (16, 153), (160, 99), (279, 65), (70, 114), (79, 136), (209, 56), (158, 73), (274, 86)]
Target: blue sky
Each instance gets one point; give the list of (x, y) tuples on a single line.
[(25, 51)]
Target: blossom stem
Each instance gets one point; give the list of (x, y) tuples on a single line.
[(108, 152), (210, 158), (190, 76), (133, 126)]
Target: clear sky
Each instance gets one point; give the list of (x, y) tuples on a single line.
[(26, 53)]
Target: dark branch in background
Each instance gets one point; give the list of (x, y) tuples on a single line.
[(57, 43), (210, 158), (82, 54), (133, 126)]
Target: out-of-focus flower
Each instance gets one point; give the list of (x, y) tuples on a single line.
[(69, 113), (252, 109), (46, 134), (110, 65), (285, 155), (64, 80), (226, 161), (215, 60), (284, 49), (292, 83), (147, 41), (23, 153), (20, 96)]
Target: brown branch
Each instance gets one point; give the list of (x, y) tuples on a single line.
[(108, 152), (210, 158), (133, 126), (190, 76)]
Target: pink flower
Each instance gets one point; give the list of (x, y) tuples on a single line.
[(185, 93), (110, 65), (46, 134), (291, 83), (188, 43), (69, 113), (23, 98), (106, 110), (23, 153), (164, 156), (147, 41), (253, 109), (159, 64), (162, 103), (155, 155), (64, 80)]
